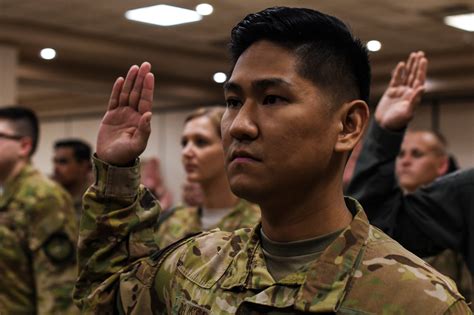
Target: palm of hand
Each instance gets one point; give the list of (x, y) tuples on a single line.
[(125, 128), (116, 141), (395, 107)]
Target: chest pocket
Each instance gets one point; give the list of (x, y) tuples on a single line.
[(205, 261)]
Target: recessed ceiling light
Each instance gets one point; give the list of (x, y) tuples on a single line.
[(164, 15), (48, 53), (374, 45), (219, 77), (204, 9), (462, 21)]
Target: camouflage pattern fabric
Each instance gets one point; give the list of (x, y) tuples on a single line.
[(452, 264), (362, 272), (38, 232), (185, 221)]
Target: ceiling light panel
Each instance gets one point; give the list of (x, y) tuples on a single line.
[(163, 15), (462, 21)]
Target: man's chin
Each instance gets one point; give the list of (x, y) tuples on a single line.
[(246, 189), (408, 186)]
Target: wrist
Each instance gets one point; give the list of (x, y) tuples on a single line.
[(115, 162), (112, 180)]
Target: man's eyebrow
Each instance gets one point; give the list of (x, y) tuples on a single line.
[(234, 87), (270, 82), (257, 85)]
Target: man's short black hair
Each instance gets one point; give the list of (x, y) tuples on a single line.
[(82, 150), (24, 121), (328, 54)]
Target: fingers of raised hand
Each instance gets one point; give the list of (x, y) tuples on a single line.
[(136, 91), (420, 76), (114, 96), (410, 63), (398, 75), (415, 68), (146, 95), (128, 85)]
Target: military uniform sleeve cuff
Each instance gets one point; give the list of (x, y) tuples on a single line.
[(115, 181)]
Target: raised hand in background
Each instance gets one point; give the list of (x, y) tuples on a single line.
[(397, 106), (125, 128)]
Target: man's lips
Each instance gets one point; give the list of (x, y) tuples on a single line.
[(404, 173), (243, 155)]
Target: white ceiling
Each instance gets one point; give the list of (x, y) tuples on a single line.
[(95, 43)]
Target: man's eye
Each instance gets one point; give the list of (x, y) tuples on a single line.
[(184, 142), (417, 154), (232, 103), (272, 100), (61, 161)]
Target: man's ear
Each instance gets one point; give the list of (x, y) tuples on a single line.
[(443, 167), (353, 120), (26, 145)]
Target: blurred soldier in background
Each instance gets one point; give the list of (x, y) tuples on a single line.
[(73, 168), (423, 157), (390, 169), (38, 228)]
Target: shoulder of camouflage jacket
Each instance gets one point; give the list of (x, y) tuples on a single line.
[(35, 186), (47, 204), (391, 279)]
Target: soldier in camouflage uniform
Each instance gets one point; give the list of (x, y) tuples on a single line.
[(203, 160), (72, 168), (38, 228), (296, 107)]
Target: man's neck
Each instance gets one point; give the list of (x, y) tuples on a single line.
[(14, 171), (316, 213)]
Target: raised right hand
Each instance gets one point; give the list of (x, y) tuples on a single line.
[(125, 128), (397, 106)]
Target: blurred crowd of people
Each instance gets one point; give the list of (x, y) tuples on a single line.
[(407, 182)]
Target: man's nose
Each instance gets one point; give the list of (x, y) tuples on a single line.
[(245, 123), (406, 159)]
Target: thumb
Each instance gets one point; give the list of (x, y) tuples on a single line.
[(144, 129), (415, 98)]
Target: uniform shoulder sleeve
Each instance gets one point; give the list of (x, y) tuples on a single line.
[(403, 276), (116, 231)]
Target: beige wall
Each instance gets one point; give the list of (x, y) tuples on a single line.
[(456, 123)]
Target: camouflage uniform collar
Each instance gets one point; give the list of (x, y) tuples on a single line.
[(11, 186), (322, 286), (323, 291)]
